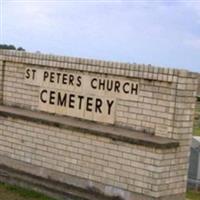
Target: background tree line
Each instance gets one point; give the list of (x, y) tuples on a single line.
[(11, 47)]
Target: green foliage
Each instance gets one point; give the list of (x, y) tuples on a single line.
[(198, 98), (25, 193), (196, 129), (11, 47), (20, 49), (196, 132), (192, 195)]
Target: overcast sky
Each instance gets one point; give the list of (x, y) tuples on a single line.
[(162, 33)]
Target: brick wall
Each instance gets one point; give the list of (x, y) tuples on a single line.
[(131, 167), (153, 112), (165, 108)]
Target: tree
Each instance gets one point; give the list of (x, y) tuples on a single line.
[(20, 49), (11, 47)]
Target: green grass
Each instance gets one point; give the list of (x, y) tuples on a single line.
[(196, 130), (192, 195), (24, 193), (14, 192)]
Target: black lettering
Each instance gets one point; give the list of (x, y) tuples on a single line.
[(134, 88), (124, 87), (58, 77), (92, 83), (102, 84), (117, 86), (89, 104), (78, 81), (71, 79), (52, 97), (52, 77), (98, 105), (109, 85), (109, 103), (64, 79), (46, 74), (27, 74), (42, 97), (62, 101), (80, 101), (71, 100), (33, 70)]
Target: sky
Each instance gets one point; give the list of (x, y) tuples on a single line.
[(162, 33)]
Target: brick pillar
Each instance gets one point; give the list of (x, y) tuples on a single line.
[(183, 125)]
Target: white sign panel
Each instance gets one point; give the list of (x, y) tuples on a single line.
[(87, 96)]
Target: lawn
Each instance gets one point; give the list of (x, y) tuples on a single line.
[(8, 192), (196, 130), (191, 195)]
